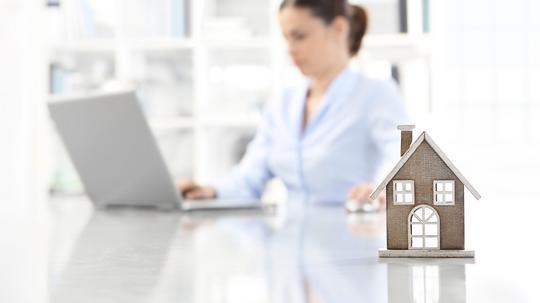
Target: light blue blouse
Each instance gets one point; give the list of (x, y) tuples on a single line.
[(351, 139)]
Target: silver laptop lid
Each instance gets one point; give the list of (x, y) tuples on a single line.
[(114, 150)]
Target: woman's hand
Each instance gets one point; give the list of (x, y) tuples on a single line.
[(359, 196), (192, 190)]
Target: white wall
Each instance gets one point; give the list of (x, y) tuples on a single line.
[(487, 55), (22, 215)]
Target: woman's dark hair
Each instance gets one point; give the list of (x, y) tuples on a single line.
[(328, 10)]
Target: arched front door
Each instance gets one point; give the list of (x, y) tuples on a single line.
[(424, 230)]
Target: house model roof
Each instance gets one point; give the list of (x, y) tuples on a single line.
[(424, 137)]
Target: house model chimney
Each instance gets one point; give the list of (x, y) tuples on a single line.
[(406, 137)]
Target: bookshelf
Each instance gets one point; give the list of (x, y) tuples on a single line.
[(204, 70)]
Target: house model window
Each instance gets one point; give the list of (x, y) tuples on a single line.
[(443, 192), (423, 228), (404, 192)]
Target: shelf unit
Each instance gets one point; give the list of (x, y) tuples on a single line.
[(210, 83)]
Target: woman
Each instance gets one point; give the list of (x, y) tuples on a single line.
[(328, 139)]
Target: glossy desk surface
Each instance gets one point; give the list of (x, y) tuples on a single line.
[(316, 254)]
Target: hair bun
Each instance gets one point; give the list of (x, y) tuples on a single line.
[(358, 24)]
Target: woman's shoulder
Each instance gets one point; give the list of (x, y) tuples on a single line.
[(290, 94), (285, 103), (368, 91), (374, 84)]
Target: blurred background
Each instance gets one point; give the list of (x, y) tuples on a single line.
[(469, 72)]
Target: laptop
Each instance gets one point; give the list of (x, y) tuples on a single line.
[(117, 157)]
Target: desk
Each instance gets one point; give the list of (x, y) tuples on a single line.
[(318, 255)]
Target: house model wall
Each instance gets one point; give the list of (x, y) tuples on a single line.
[(424, 202)]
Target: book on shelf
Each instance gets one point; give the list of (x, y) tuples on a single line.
[(414, 16), (180, 18), (403, 16), (104, 19), (426, 16), (56, 76)]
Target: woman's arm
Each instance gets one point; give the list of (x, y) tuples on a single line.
[(247, 179), (387, 111)]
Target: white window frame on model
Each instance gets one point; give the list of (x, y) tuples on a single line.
[(403, 192), (424, 228), (444, 192)]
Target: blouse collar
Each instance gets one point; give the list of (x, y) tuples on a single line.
[(335, 91)]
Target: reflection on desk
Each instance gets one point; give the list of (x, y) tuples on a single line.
[(322, 255)]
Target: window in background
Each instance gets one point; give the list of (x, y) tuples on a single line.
[(487, 59)]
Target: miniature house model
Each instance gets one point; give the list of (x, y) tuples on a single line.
[(424, 202)]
